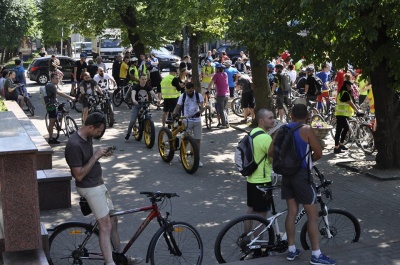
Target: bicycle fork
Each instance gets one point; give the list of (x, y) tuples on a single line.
[(326, 222)]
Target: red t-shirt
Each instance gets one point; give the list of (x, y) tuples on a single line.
[(340, 80)]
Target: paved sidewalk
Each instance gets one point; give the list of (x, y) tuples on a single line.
[(216, 193)]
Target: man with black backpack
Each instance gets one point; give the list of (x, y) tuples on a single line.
[(281, 85), (294, 148), (313, 85)]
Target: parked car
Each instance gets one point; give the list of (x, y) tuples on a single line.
[(38, 70), (165, 58), (231, 51)]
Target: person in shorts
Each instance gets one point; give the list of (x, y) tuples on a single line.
[(51, 103), (300, 189), (87, 172), (192, 107), (170, 90)]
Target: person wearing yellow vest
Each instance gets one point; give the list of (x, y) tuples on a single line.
[(344, 109), (171, 90), (123, 71), (133, 72), (362, 84)]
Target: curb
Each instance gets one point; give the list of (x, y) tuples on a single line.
[(368, 174)]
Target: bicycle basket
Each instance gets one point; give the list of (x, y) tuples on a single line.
[(85, 208)]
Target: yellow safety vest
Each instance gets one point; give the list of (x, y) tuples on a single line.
[(370, 96), (343, 108), (167, 89), (136, 74)]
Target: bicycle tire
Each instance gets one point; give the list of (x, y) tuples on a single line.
[(208, 117), (78, 106), (149, 132), (56, 131), (70, 126), (65, 240), (118, 98), (236, 106), (181, 235), (348, 135), (190, 155), (231, 242), (137, 131), (165, 145), (109, 111), (344, 227), (366, 140), (31, 108)]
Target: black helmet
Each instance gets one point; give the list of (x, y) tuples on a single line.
[(310, 69)]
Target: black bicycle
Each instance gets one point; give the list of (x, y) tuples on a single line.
[(249, 236), (144, 125), (63, 117)]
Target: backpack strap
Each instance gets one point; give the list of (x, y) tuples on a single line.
[(184, 98), (254, 135)]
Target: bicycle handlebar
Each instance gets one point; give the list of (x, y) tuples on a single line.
[(159, 194)]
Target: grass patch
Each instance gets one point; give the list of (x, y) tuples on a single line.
[(2, 106)]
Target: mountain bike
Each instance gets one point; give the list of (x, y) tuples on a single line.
[(251, 235), (236, 104), (62, 118), (173, 243), (361, 133), (179, 139), (122, 94), (107, 108), (210, 109), (144, 125), (28, 104)]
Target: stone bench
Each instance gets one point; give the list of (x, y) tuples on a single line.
[(45, 152), (54, 189), (25, 257)]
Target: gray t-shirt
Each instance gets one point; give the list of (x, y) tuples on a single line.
[(77, 154)]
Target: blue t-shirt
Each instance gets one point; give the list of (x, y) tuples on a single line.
[(20, 71), (324, 77), (230, 72)]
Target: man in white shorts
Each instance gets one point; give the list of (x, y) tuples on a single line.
[(191, 103), (85, 168)]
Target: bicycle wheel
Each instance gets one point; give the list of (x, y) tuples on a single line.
[(137, 131), (118, 97), (232, 243), (165, 146), (352, 125), (30, 107), (190, 156), (179, 243), (208, 117), (78, 106), (70, 126), (365, 139), (236, 106), (343, 226), (149, 133), (67, 238), (109, 111)]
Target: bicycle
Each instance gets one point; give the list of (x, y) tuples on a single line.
[(242, 237), (96, 105), (122, 94), (179, 139), (361, 133), (173, 243), (107, 108), (63, 117), (236, 104), (28, 103), (209, 110), (144, 125)]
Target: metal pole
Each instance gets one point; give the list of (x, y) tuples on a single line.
[(61, 45)]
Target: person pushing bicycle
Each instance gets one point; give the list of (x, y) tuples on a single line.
[(87, 172), (51, 104)]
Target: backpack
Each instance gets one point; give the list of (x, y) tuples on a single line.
[(43, 95), (318, 86), (18, 77), (286, 161), (184, 98), (244, 155), (285, 82)]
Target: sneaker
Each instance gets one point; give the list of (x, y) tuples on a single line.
[(201, 164), (293, 255), (322, 260), (133, 260), (342, 147), (243, 121), (53, 141), (219, 125), (337, 150), (127, 136)]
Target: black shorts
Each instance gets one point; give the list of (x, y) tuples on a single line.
[(52, 114), (258, 200), (170, 104), (85, 103), (279, 101), (248, 100), (299, 187)]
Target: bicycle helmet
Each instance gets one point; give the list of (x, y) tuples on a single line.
[(218, 65), (310, 69), (83, 55), (270, 65)]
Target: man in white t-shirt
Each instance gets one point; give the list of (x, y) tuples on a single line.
[(192, 103), (103, 79)]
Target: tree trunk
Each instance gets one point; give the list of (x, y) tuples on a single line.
[(129, 18), (387, 111), (138, 47), (193, 42), (262, 90)]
